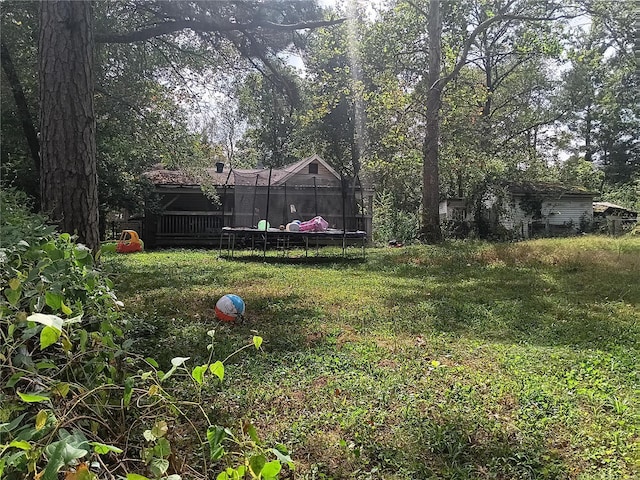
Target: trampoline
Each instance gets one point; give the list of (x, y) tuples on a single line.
[(284, 240)]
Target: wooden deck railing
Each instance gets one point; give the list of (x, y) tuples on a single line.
[(189, 223)]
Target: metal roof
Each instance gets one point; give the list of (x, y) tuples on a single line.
[(602, 207)]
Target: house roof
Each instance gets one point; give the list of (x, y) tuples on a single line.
[(546, 188), (612, 208), (236, 176), (297, 167)]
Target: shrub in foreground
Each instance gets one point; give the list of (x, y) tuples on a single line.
[(73, 397)]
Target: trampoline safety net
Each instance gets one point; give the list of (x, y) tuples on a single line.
[(254, 197)]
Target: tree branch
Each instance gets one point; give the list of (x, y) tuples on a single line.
[(165, 28), (277, 79), (529, 127), (483, 27), (422, 11)]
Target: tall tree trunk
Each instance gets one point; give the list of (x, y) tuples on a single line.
[(485, 142), (28, 126), (588, 149), (68, 179), (431, 232)]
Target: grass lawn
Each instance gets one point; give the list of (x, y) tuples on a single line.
[(465, 360)]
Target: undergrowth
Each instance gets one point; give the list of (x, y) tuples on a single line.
[(76, 396)]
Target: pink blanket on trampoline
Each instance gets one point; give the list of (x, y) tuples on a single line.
[(316, 224)]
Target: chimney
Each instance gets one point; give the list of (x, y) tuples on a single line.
[(219, 167)]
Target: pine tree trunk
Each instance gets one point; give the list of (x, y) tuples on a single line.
[(68, 178), (22, 107), (431, 232)]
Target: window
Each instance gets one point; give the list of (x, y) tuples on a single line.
[(458, 214), (313, 168)]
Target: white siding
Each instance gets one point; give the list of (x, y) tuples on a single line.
[(323, 177), (568, 210), (564, 211), (442, 208), (515, 219), (455, 209)]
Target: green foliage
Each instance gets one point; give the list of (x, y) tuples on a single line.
[(19, 26), (17, 223), (72, 391), (140, 122), (130, 143), (272, 115), (601, 94), (626, 195), (391, 223), (335, 118), (577, 171), (60, 326)]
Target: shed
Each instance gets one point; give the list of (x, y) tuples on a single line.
[(186, 215), (613, 218), (531, 209)]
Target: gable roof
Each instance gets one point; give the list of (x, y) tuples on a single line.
[(297, 167), (546, 188), (237, 176)]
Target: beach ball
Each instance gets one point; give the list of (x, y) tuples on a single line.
[(229, 307), (263, 225)]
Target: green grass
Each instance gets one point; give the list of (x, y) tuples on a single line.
[(461, 361)]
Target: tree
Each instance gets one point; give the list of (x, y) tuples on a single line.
[(393, 58), (69, 177), (334, 117), (583, 84), (22, 106), (223, 125), (139, 127), (20, 152), (272, 118), (139, 120), (436, 81), (601, 92), (431, 232)]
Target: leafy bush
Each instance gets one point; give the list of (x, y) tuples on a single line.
[(17, 222), (61, 334), (73, 397), (389, 223), (626, 195)]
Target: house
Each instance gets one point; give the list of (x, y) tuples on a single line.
[(538, 209), (454, 209), (192, 208), (612, 218), (523, 210), (456, 217)]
